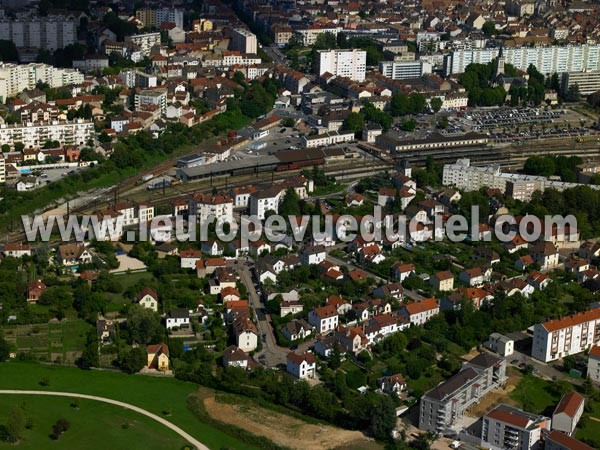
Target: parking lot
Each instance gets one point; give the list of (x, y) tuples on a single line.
[(279, 138), (48, 176), (505, 125)]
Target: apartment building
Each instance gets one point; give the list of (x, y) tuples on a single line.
[(145, 41), (41, 32), (594, 364), (2, 169), (154, 18), (510, 428), (548, 60), (35, 135), (404, 70), (152, 97), (349, 63), (463, 176), (443, 406), (570, 335), (557, 440), (309, 35), (204, 206), (265, 200), (244, 41), (326, 139), (15, 78), (588, 82)]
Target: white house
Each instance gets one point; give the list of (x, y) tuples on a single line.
[(148, 299), (246, 335), (301, 366), (500, 344), (568, 412), (420, 312), (324, 319), (189, 257), (178, 318), (392, 384), (16, 250), (313, 255), (234, 357)]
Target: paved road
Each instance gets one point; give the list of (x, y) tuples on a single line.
[(271, 354), (199, 445)]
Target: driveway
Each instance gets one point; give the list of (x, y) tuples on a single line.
[(199, 445)]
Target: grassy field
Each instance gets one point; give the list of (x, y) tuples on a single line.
[(98, 425), (540, 396), (50, 342), (536, 395), (589, 426), (162, 396)]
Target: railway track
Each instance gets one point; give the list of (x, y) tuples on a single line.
[(512, 157)]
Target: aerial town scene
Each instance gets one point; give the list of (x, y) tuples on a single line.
[(300, 224)]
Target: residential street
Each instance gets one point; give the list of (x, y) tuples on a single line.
[(271, 354)]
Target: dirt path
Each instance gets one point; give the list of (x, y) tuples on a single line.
[(285, 430)]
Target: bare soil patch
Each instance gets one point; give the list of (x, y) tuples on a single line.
[(286, 430)]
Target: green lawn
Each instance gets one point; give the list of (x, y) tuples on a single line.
[(588, 429), (541, 397), (98, 425), (163, 396), (535, 395)]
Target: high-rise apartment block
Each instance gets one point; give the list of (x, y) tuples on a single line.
[(39, 32), (244, 41), (343, 63)]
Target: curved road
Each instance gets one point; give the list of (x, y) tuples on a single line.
[(199, 445)]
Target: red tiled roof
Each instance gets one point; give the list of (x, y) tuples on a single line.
[(570, 321), (567, 442), (426, 304), (297, 359), (509, 417), (569, 404)]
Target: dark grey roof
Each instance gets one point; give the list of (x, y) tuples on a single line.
[(485, 360), (452, 384)]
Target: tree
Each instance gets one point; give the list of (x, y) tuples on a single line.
[(573, 94), (8, 51), (4, 350), (354, 122), (489, 29), (59, 428), (90, 356), (436, 104), (135, 360), (15, 424), (408, 125), (143, 325), (290, 206), (383, 417)]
